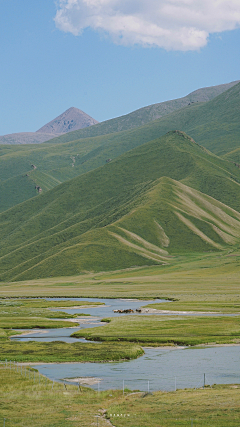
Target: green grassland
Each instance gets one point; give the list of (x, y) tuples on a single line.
[(29, 319), (233, 156), (157, 330), (43, 303), (140, 209), (209, 277), (56, 405), (30, 314), (29, 402), (33, 323), (21, 314), (35, 313), (59, 352), (216, 407), (214, 124)]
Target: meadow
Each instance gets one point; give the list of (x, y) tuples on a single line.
[(158, 330), (60, 352), (209, 277)]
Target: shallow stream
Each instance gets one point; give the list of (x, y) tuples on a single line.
[(158, 369)]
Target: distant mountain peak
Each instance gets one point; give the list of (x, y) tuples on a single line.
[(72, 119)]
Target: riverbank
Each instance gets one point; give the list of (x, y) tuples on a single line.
[(55, 404), (175, 330), (58, 352)]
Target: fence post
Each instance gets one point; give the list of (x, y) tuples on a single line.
[(204, 377), (175, 383), (148, 386), (123, 387)]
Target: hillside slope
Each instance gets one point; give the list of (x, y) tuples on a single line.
[(214, 124), (26, 138), (136, 210)]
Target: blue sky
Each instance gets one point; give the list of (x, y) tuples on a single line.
[(105, 66)]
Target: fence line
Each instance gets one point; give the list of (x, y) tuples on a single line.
[(162, 383)]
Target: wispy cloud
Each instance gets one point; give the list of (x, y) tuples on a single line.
[(170, 24)]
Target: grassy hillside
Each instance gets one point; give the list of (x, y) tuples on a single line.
[(233, 156), (213, 124), (136, 210)]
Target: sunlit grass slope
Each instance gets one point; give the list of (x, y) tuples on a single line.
[(137, 210)]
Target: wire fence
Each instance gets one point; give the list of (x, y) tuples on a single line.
[(147, 384), (127, 386)]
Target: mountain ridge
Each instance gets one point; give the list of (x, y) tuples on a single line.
[(214, 124), (131, 120), (147, 114), (167, 197)]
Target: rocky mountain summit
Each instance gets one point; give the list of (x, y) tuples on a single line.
[(71, 119)]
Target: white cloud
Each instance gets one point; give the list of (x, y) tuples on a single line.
[(170, 24)]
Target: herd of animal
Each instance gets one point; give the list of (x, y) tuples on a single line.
[(127, 310)]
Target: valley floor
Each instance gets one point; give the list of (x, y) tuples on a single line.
[(199, 283)]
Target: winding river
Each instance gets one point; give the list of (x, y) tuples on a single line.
[(158, 369)]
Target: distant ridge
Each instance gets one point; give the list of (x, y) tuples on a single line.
[(74, 124), (26, 138), (147, 114), (72, 119)]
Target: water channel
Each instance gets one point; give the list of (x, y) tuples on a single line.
[(158, 369)]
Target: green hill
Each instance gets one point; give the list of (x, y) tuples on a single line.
[(214, 124), (233, 156), (141, 209)]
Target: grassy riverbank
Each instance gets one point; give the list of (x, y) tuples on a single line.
[(197, 306), (15, 317), (216, 407), (173, 330), (34, 401), (44, 303), (57, 351), (31, 314)]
